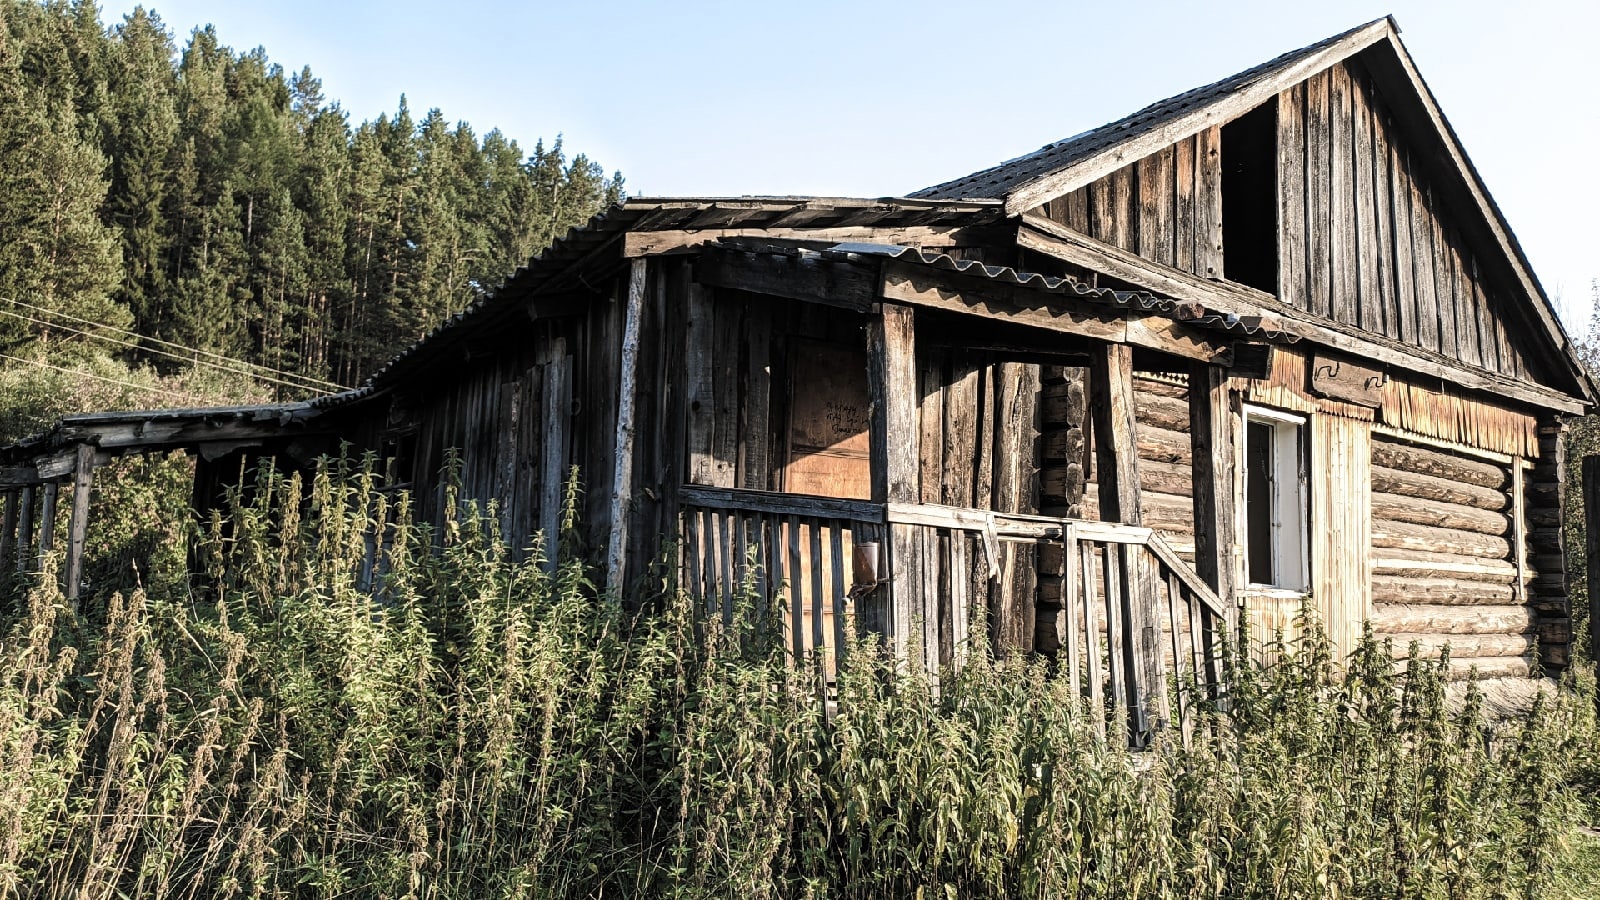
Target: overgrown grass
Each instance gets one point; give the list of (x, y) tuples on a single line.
[(488, 728)]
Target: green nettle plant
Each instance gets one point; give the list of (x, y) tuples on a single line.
[(349, 703)]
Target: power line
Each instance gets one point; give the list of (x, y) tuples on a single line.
[(180, 357), (194, 351), (187, 398)]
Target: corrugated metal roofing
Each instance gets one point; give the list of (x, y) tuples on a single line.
[(1196, 315), (998, 181)]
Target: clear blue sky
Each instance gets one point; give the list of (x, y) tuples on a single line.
[(878, 99)]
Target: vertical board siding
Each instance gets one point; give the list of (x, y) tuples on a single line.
[(1166, 207), (1364, 239), (1341, 523)]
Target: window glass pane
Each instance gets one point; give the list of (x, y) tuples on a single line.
[(1258, 500)]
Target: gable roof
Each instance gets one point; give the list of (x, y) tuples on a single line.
[(1024, 183), (1056, 168)]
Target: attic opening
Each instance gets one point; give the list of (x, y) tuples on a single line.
[(1250, 199)]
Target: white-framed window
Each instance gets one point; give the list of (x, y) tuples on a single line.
[(1275, 500)]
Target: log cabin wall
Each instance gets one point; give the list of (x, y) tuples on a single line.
[(1166, 207), (1445, 566), (1365, 240)]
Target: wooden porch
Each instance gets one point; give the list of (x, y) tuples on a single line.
[(1133, 616)]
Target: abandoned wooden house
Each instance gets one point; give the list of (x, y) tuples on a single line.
[(1266, 340)]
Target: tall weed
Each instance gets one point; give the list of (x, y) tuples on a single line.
[(348, 702)]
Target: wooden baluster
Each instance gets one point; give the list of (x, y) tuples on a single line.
[(730, 586), (25, 530), (1174, 592), (836, 532), (1117, 696), (1068, 594), (8, 528), (1091, 631), (819, 642), (797, 590)]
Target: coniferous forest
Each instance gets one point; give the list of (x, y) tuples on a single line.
[(167, 198)]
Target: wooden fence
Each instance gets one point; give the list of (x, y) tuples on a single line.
[(1130, 613)]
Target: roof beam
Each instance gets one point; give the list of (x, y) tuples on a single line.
[(1044, 236), (661, 243), (800, 277)]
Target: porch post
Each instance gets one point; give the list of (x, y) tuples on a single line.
[(1211, 438), (47, 522), (1116, 454), (1117, 474), (892, 372)]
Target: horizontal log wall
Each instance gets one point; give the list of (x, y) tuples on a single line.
[(1444, 558), (1365, 241), (1166, 477), (1166, 207), (1546, 560)]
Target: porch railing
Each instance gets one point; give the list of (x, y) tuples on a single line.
[(1126, 611)]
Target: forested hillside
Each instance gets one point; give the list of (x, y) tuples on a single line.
[(173, 200)]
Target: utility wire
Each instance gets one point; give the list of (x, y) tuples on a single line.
[(195, 351), (177, 356), (187, 398)]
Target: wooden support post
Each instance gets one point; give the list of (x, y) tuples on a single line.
[(25, 530), (1211, 439), (47, 522), (82, 484), (622, 480), (1591, 511), (1117, 474), (1116, 455), (892, 370)]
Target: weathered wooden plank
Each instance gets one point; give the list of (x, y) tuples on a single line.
[(627, 390), (807, 278), (931, 418), (557, 403), (1157, 206), (699, 392), (1117, 458), (755, 426), (1122, 227), (1208, 203), (1292, 288), (1183, 209), (1345, 285), (1091, 625), (1369, 302), (47, 521), (1400, 215), (1423, 261), (960, 433), (1382, 208), (1319, 216), (726, 380)]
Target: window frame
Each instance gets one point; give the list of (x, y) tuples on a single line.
[(1291, 571)]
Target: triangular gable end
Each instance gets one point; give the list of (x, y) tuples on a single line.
[(1407, 162)]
